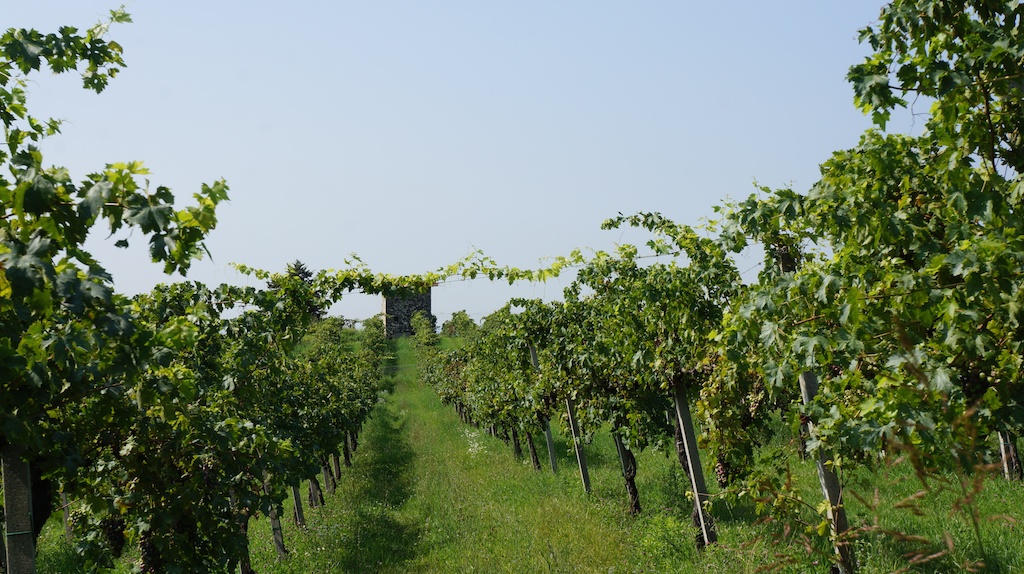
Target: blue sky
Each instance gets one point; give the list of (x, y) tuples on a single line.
[(411, 133)]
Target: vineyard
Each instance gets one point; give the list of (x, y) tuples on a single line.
[(428, 494), (882, 336)]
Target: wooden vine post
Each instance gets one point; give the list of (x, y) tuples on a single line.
[(551, 444), (298, 513), (547, 421), (700, 489), (1010, 457), (581, 458), (21, 551), (66, 511), (829, 484), (275, 520)]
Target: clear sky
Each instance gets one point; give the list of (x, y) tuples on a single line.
[(411, 133)]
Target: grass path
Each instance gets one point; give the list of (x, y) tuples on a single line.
[(428, 494)]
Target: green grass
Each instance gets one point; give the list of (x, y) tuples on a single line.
[(427, 493)]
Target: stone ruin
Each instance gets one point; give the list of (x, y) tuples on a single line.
[(399, 309)]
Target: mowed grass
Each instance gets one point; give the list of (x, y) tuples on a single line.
[(427, 493)]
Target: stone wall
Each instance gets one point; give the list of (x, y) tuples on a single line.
[(398, 312)]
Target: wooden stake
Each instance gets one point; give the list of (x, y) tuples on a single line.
[(275, 521), (1010, 455), (700, 490), (829, 483), (547, 421), (21, 551), (65, 506), (551, 445), (618, 450), (581, 458), (300, 516)]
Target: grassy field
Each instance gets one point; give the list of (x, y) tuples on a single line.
[(427, 493)]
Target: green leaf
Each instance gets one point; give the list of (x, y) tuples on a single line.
[(39, 196), (27, 266)]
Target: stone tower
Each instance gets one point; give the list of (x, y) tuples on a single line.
[(399, 309)]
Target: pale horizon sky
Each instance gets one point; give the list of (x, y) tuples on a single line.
[(411, 133)]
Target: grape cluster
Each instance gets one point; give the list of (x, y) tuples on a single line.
[(149, 556), (113, 529), (724, 472), (78, 518)]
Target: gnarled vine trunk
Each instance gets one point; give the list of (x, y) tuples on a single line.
[(328, 477), (628, 474), (517, 448), (801, 442), (245, 561), (533, 451), (316, 494)]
